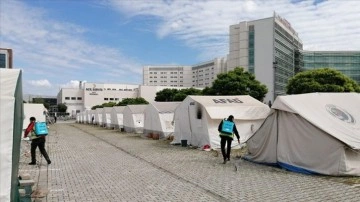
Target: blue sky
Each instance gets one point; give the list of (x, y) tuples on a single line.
[(58, 43)]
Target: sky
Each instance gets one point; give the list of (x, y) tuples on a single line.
[(58, 43)]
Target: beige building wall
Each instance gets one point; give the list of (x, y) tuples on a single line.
[(97, 94), (205, 73), (73, 98), (167, 75)]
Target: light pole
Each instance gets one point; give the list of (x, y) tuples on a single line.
[(274, 68)]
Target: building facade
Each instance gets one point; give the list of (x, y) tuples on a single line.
[(6, 58), (200, 75), (167, 75), (92, 94), (73, 98), (205, 73), (267, 48), (347, 62)]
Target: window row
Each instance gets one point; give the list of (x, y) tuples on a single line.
[(111, 98), (73, 98)]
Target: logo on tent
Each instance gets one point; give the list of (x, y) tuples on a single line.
[(339, 113)]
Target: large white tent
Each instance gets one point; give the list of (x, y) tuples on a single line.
[(117, 115), (197, 118), (11, 123), (159, 117), (106, 117), (311, 133), (134, 118)]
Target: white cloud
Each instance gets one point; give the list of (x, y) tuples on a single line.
[(55, 49), (204, 25), (40, 83), (72, 84)]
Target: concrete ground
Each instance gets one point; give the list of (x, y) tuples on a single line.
[(90, 163)]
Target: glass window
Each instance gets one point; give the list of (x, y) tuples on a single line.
[(73, 98), (67, 98), (79, 98), (106, 98), (2, 61)]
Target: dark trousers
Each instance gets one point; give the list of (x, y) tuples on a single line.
[(223, 141), (38, 142)]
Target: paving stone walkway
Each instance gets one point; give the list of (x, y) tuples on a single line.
[(90, 163)]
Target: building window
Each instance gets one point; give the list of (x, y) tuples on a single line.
[(67, 98), (73, 98), (111, 98), (116, 98), (79, 98), (106, 98)]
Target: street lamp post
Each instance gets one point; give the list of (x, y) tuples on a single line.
[(274, 68)]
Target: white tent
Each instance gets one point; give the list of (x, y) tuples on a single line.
[(98, 116), (83, 116), (88, 116), (79, 117), (134, 118), (11, 123), (159, 117), (106, 117), (92, 114), (36, 110), (117, 117), (311, 133), (197, 118)]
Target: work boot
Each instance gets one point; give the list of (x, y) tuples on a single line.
[(48, 161), (32, 163), (224, 161)]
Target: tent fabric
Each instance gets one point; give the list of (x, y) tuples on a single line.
[(297, 143), (134, 118), (117, 116), (248, 107), (92, 114), (158, 118), (106, 117), (197, 118), (98, 116), (329, 112), (11, 121)]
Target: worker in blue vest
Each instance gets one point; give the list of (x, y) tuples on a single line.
[(227, 129), (36, 141)]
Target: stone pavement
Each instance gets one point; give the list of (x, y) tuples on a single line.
[(90, 163)]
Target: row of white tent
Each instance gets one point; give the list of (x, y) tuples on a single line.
[(195, 120), (308, 133)]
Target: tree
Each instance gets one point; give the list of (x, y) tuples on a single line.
[(62, 107), (41, 101), (96, 106), (321, 80), (107, 104), (173, 95), (132, 101), (166, 95), (237, 82)]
